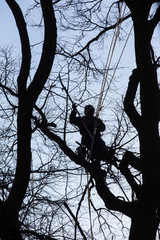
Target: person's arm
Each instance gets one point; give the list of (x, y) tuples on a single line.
[(73, 119)]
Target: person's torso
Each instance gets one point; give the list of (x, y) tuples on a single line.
[(87, 126)]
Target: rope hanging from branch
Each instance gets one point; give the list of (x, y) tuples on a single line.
[(107, 67), (109, 59)]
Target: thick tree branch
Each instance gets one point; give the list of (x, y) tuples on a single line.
[(129, 101), (154, 21), (9, 90), (110, 200), (48, 52), (134, 161), (130, 159), (26, 54), (63, 146), (139, 8), (22, 175), (23, 168)]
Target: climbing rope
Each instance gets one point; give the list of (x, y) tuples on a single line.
[(109, 59), (107, 66), (116, 65), (89, 206)]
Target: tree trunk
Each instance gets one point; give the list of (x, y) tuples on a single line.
[(144, 222), (143, 227), (9, 227)]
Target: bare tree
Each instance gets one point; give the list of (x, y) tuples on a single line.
[(26, 96), (33, 197)]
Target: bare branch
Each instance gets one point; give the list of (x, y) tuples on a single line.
[(129, 158), (101, 33), (129, 101), (76, 221), (26, 54), (155, 20), (48, 52)]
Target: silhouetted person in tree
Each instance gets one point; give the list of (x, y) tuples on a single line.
[(87, 125)]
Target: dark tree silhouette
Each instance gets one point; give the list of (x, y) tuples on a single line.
[(27, 97), (140, 173)]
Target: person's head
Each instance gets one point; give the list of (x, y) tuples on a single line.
[(89, 110)]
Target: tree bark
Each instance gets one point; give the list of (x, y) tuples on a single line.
[(144, 220), (9, 226), (144, 223)]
